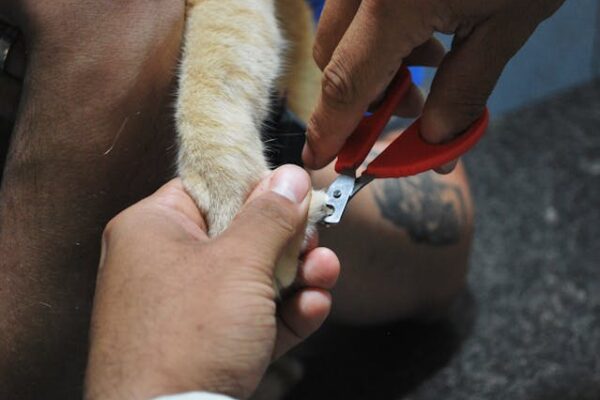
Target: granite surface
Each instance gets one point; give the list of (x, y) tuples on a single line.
[(529, 326)]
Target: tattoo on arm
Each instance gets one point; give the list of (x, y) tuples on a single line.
[(431, 211)]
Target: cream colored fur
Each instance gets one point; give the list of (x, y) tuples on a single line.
[(234, 56)]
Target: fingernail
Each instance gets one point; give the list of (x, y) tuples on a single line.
[(291, 182)]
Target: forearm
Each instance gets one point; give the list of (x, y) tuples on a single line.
[(47, 278), (83, 148)]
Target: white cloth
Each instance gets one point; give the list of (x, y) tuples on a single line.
[(194, 396)]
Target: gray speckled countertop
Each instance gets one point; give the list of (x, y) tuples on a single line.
[(529, 327)]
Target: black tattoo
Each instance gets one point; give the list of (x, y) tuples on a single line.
[(431, 211)]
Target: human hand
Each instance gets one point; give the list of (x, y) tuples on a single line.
[(176, 311), (361, 44)]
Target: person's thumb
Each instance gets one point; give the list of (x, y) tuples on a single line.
[(273, 218)]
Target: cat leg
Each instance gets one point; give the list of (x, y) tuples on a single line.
[(230, 61), (228, 69), (301, 78)]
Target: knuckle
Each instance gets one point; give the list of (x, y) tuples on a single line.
[(338, 85), (118, 226), (445, 16), (452, 10), (174, 198), (111, 227)]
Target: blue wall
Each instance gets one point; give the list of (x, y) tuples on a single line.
[(562, 53)]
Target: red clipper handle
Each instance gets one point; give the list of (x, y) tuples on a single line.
[(409, 154), (360, 143)]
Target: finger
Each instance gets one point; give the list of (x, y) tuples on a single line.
[(412, 105), (429, 54), (465, 80), (300, 316), (272, 218), (320, 269), (173, 197), (362, 65), (335, 19)]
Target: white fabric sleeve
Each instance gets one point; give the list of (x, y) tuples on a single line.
[(194, 396)]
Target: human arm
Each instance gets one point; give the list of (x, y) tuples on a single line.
[(92, 136), (175, 311)]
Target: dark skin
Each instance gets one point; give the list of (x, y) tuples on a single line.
[(61, 184)]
